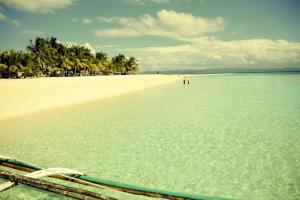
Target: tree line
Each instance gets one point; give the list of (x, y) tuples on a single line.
[(47, 58)]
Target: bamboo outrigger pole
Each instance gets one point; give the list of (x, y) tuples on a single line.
[(40, 174), (54, 187), (57, 176), (79, 181), (132, 189)]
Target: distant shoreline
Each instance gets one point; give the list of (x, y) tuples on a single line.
[(217, 71), (26, 96)]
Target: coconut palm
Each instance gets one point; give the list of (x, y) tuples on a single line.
[(62, 57), (79, 65), (80, 57), (52, 42), (131, 66), (27, 71), (101, 56), (119, 61), (3, 68), (12, 59), (38, 50), (64, 64), (13, 70), (93, 68), (27, 63), (48, 57), (85, 67)]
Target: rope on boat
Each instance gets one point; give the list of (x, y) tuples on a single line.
[(133, 189)]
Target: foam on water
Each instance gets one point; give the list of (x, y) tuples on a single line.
[(233, 136)]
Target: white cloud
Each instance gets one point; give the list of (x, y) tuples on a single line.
[(109, 19), (37, 6), (15, 22), (7, 19), (167, 23), (87, 21), (90, 47), (214, 53), (74, 20), (117, 32), (32, 32), (83, 20), (2, 17), (143, 2), (198, 48)]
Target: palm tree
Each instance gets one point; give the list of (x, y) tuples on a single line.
[(119, 61), (131, 66), (102, 62), (13, 69), (12, 59), (74, 55), (62, 58), (48, 57), (3, 68), (79, 65), (27, 63), (80, 56), (27, 71), (38, 50), (112, 68), (101, 56), (102, 67), (93, 68), (52, 42), (85, 67), (64, 63)]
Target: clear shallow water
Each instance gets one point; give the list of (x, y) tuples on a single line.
[(235, 136)]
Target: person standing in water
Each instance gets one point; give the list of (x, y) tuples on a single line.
[(188, 82), (183, 81)]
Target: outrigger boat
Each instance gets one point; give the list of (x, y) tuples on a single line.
[(33, 179)]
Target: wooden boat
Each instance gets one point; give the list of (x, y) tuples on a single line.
[(32, 179)]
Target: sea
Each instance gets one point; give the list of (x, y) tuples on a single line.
[(234, 136)]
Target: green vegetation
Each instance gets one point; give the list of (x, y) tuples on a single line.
[(47, 57)]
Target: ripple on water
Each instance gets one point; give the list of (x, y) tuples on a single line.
[(230, 136)]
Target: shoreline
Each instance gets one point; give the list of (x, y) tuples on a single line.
[(21, 97)]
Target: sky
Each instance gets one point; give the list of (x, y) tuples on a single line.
[(164, 34)]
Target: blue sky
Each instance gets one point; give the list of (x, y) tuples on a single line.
[(164, 34)]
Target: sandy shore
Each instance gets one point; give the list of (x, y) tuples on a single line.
[(25, 96)]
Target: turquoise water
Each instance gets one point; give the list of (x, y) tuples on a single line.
[(234, 135)]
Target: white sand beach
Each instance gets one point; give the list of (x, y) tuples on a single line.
[(25, 96)]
